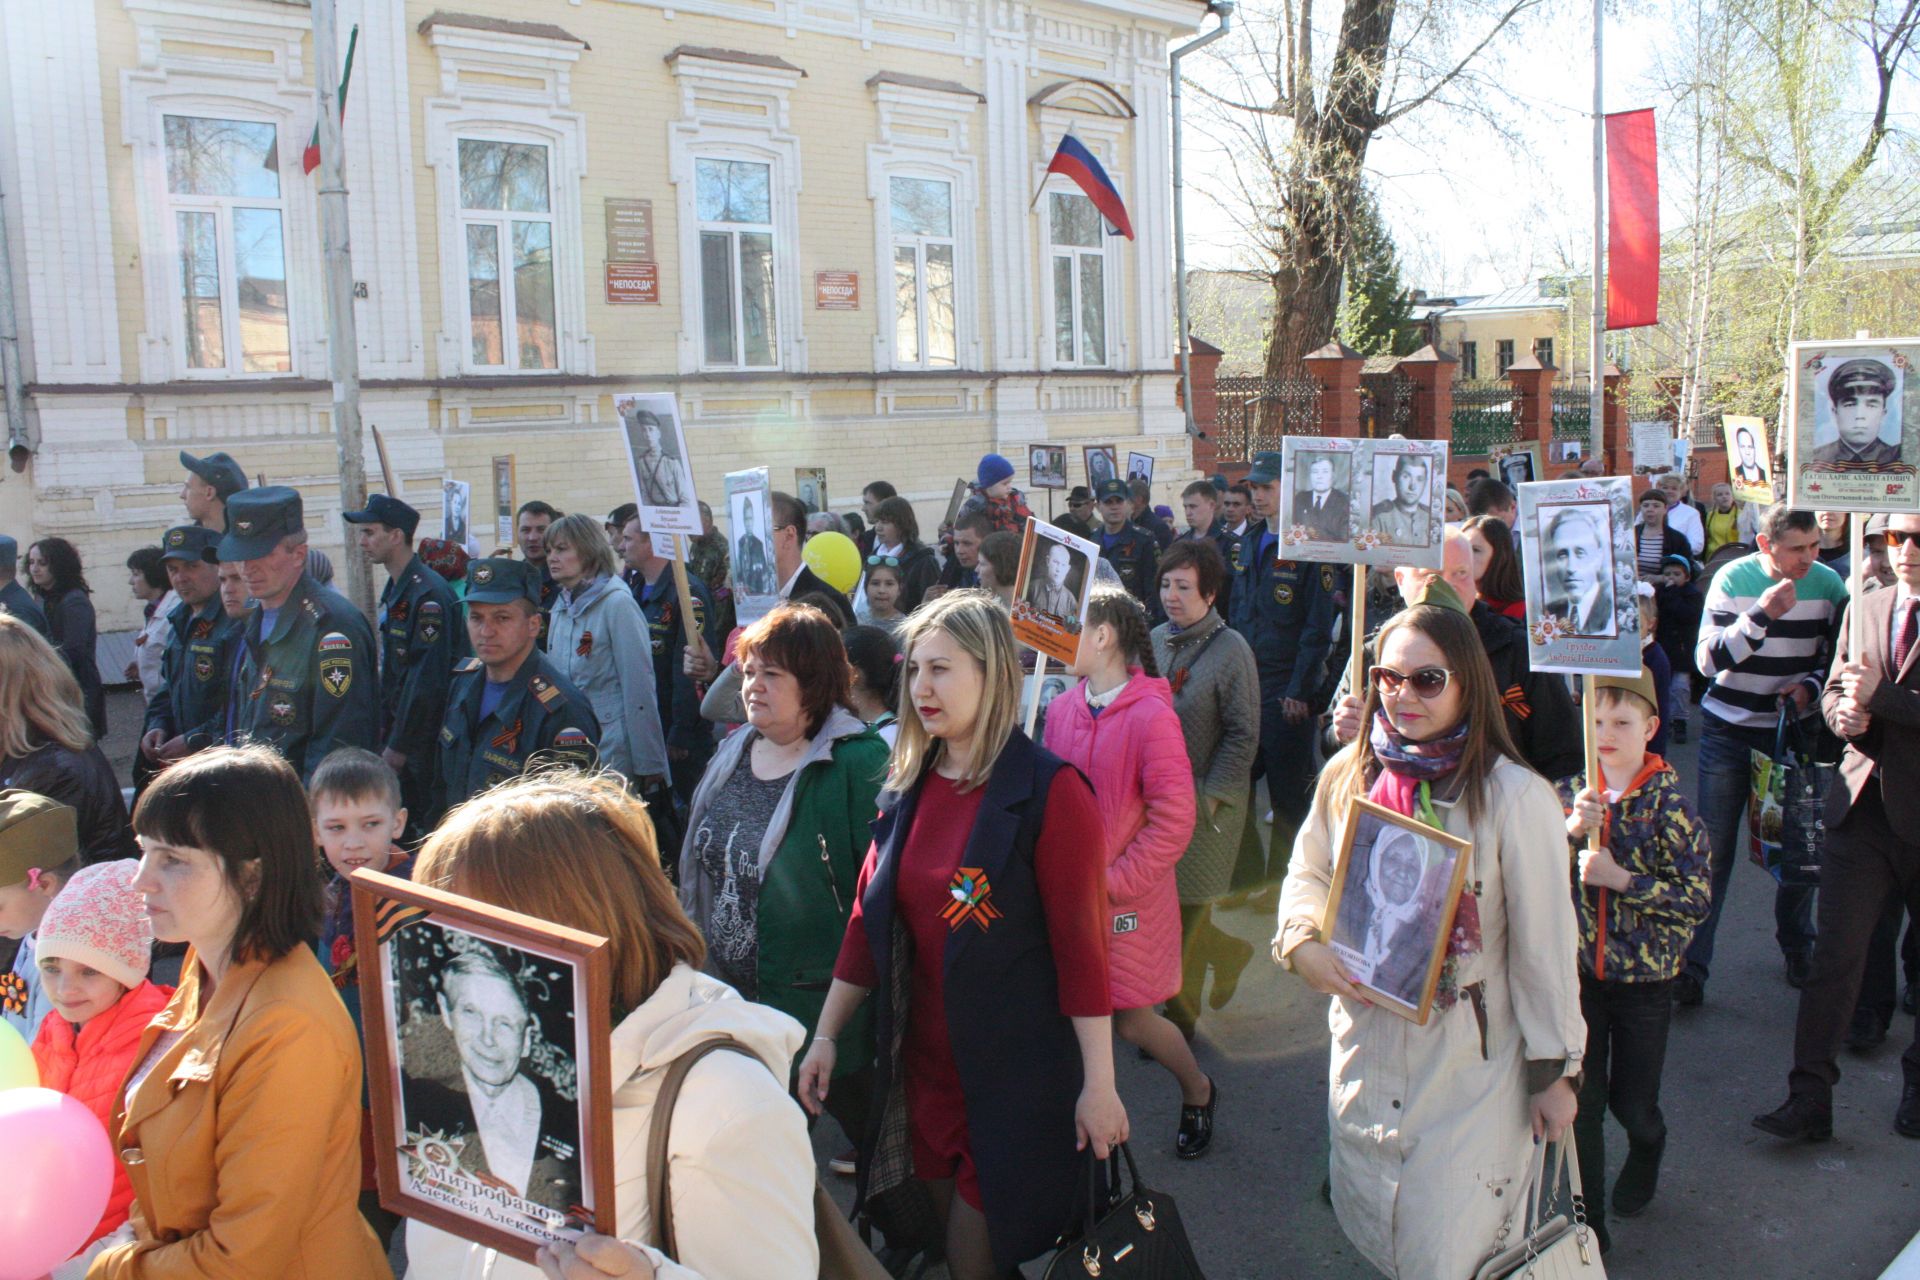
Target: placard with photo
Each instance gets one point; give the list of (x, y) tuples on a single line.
[(487, 1068), (1052, 685), (1577, 559), (456, 511), (1047, 466), (661, 467), (503, 505), (1854, 440), (1749, 459), (810, 486), (756, 589), (1363, 501), (1103, 464), (1396, 886), (1050, 589), (1652, 448), (1139, 467), (1518, 464)]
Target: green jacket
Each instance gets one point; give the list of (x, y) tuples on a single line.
[(810, 864)]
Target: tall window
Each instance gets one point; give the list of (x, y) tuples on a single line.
[(223, 187), (1079, 280), (923, 277), (506, 225), (1470, 361), (734, 203), (1543, 350), (1502, 357)]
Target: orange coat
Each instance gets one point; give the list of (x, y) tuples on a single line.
[(243, 1142), (91, 1066)]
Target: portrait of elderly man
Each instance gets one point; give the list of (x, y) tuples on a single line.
[(1403, 519), (1385, 922), (511, 1126), (1048, 591), (657, 471), (1576, 560), (1321, 507), (1750, 469), (1858, 393)]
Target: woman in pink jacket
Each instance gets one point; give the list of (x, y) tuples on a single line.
[(1118, 727)]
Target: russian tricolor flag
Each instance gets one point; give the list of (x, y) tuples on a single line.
[(1073, 160)]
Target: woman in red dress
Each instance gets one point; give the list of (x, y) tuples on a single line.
[(987, 858)]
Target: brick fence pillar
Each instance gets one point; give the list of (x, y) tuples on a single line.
[(1532, 384), (1205, 360), (1431, 373), (1336, 368), (1613, 418)]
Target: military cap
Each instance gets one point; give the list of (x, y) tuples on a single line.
[(381, 509), (1113, 489), (218, 470), (190, 542), (1440, 593), (1640, 684), (499, 580), (9, 552), (35, 832), (1870, 376), (1266, 468), (257, 519)]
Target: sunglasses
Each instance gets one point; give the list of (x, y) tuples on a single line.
[(892, 562), (1428, 682), (1900, 537)]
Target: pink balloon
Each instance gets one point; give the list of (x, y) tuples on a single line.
[(54, 1182)]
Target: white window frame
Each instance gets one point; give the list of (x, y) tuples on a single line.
[(698, 265), (502, 221), (896, 241), (1109, 266)]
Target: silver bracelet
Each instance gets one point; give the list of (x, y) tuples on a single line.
[(828, 1039)]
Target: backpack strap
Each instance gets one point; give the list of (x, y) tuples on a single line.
[(660, 1207)]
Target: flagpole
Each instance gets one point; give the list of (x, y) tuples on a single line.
[(343, 343), (1596, 355)]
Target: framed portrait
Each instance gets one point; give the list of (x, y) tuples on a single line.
[(1316, 497), (1853, 443), (456, 511), (1749, 459), (954, 500), (1569, 450), (1652, 448), (1050, 589), (1396, 885), (756, 589), (810, 486), (657, 457), (1577, 561), (1363, 501), (503, 504), (1103, 464), (487, 1066), (1139, 467), (1518, 464), (1047, 466)]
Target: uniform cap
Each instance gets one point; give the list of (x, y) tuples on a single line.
[(1869, 376), (1113, 489), (35, 832), (499, 580), (1640, 683), (1440, 593), (381, 509), (1266, 468), (257, 519), (190, 542), (218, 470)]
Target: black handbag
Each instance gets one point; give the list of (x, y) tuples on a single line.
[(1136, 1236), (1787, 828)]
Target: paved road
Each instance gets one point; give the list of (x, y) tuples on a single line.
[(1733, 1204)]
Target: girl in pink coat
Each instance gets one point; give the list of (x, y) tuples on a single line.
[(1118, 727)]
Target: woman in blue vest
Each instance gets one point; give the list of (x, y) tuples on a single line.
[(983, 856)]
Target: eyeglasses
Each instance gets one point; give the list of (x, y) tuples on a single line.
[(892, 562), (1901, 537), (1428, 682)]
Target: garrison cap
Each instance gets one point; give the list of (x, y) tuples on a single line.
[(381, 509), (218, 470), (1640, 684), (258, 518), (499, 580), (35, 832), (190, 542)]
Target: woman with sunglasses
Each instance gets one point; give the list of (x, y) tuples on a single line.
[(1433, 1125)]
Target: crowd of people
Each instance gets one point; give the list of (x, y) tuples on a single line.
[(833, 834)]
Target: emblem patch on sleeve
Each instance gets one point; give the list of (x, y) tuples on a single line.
[(336, 675)]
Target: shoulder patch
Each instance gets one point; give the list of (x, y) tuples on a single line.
[(334, 640), (572, 738), (544, 689), (429, 608), (468, 664)]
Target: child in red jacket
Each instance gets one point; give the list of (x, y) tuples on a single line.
[(94, 944)]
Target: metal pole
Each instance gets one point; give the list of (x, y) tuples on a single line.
[(1223, 10), (343, 343), (1596, 355), (19, 439)]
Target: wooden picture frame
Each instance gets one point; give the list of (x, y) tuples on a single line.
[(1403, 969), (1050, 589), (954, 500), (1047, 466), (414, 942), (1103, 463)]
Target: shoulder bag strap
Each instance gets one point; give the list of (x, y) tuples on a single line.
[(660, 1207)]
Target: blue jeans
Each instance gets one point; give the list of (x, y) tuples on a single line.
[(1726, 783)]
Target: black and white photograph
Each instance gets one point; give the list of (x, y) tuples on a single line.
[(1056, 582), (483, 1088), (1323, 481), (1395, 888), (1047, 466), (1576, 556), (1749, 462), (657, 455), (1577, 563), (456, 511), (1103, 464), (1401, 511), (750, 517), (810, 486), (1050, 589), (1139, 467), (503, 504), (1855, 441), (1519, 465)]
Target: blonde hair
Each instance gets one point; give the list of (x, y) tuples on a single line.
[(39, 698), (976, 621), (582, 535), (575, 849)]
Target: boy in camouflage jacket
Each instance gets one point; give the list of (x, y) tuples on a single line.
[(1639, 898)]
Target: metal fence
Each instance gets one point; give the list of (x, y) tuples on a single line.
[(1255, 413), (1485, 415)]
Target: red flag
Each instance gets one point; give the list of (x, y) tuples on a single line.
[(1633, 221), (310, 158)]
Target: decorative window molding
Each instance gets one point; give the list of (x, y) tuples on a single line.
[(508, 82), (735, 107)]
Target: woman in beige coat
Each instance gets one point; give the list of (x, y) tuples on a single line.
[(1432, 1126)]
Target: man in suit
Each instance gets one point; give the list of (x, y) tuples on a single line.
[(1578, 567), (1872, 700), (1048, 591), (1321, 507), (789, 564), (1858, 393), (1750, 471), (751, 572)]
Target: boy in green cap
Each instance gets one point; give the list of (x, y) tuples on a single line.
[(39, 849)]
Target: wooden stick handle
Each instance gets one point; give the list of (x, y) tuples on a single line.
[(1357, 683), (386, 464), (1594, 779), (684, 590), (1856, 581)]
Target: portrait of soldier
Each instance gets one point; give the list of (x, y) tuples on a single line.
[(1402, 520), (1048, 591), (1321, 507), (752, 567), (658, 472), (1858, 393)]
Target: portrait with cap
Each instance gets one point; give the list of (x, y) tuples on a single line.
[(1853, 442), (1396, 884), (657, 457)]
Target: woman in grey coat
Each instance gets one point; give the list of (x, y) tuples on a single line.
[(600, 641), (1216, 693)]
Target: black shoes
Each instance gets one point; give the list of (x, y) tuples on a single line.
[(1196, 1126), (1906, 1118), (1801, 1119), (1639, 1176), (1226, 975), (1799, 968), (1867, 1032), (1688, 991)]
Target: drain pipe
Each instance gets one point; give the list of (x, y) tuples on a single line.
[(1223, 10), (19, 440)]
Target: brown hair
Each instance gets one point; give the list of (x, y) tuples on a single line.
[(1115, 607), (1001, 549), (1352, 771), (802, 641), (354, 773), (578, 850), (1200, 555), (1501, 581), (898, 512)]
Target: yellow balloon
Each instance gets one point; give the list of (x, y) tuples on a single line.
[(834, 560), (17, 1068)]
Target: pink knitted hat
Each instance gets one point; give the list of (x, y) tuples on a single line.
[(100, 920)]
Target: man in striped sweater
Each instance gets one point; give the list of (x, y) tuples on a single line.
[(1766, 641)]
